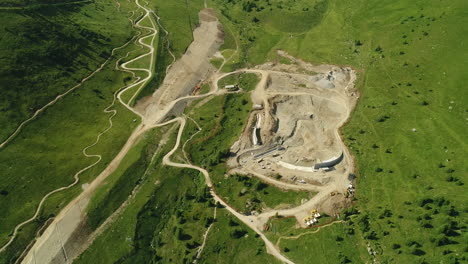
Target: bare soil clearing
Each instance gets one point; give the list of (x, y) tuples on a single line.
[(302, 114), (188, 71)]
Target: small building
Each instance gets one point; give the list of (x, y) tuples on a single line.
[(232, 87), (258, 107)]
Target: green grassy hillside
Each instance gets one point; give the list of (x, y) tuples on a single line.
[(169, 200), (47, 50)]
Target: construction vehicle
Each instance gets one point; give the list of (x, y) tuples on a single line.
[(312, 218), (196, 89)]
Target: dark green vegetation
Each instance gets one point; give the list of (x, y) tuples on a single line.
[(223, 113), (38, 3), (248, 193), (166, 218), (48, 151), (411, 57), (230, 241)]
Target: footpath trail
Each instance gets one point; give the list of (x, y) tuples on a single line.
[(42, 109), (247, 220), (150, 54), (135, 135), (51, 242)]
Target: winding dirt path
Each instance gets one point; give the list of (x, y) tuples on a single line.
[(306, 233), (150, 53), (20, 127), (76, 178), (250, 221), (75, 206), (205, 235), (168, 41)]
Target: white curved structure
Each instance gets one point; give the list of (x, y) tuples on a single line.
[(326, 164)]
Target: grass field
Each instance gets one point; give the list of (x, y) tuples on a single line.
[(119, 185), (339, 248), (121, 231), (248, 194), (171, 211), (230, 241), (48, 152), (280, 228)]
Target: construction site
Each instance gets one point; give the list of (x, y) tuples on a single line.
[(292, 137)]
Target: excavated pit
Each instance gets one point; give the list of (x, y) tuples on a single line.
[(303, 108)]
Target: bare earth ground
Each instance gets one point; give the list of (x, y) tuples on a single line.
[(303, 107), (302, 113), (188, 71)]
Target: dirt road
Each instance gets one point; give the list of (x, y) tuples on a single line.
[(187, 72), (250, 221)]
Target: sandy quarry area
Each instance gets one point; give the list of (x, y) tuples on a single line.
[(295, 126), (187, 72)]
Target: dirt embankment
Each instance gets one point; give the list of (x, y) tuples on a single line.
[(186, 73)]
